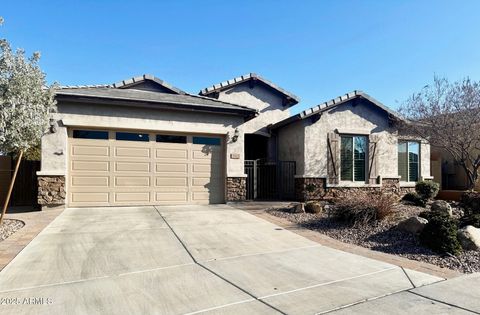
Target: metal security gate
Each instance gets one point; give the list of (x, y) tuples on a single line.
[(270, 180)]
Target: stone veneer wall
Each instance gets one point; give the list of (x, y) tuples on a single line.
[(51, 190), (316, 189), (236, 188)]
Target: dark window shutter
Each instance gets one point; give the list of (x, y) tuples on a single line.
[(372, 159), (332, 157)]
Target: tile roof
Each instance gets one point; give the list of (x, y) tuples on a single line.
[(129, 83), (178, 101), (292, 99), (333, 103), (135, 80)]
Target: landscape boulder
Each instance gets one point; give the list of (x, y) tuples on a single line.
[(441, 206), (299, 208), (413, 225), (469, 237), (313, 207)]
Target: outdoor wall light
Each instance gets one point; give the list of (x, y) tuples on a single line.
[(236, 134), (53, 125)]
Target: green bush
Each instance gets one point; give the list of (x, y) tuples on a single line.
[(362, 207), (427, 189), (440, 233), (471, 202), (473, 219), (415, 198)]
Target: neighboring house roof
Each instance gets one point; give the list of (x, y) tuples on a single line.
[(333, 103), (289, 98), (132, 83), (141, 98)]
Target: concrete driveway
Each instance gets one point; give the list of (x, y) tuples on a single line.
[(192, 260)]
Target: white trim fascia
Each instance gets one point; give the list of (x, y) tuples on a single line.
[(51, 173)]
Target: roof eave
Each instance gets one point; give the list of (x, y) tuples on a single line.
[(289, 98), (247, 113)]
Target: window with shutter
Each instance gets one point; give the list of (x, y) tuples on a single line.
[(408, 161), (353, 158)]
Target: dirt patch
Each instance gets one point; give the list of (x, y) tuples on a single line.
[(383, 236), (8, 227)]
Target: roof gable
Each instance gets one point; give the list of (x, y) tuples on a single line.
[(334, 103), (252, 78), (148, 82)]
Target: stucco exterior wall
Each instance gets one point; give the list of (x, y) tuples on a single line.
[(291, 145), (268, 103), (54, 145), (360, 119)]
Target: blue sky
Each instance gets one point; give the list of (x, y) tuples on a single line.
[(315, 49)]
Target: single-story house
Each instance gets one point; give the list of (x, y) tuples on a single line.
[(143, 141)]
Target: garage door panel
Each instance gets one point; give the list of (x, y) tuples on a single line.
[(88, 150), (132, 166), (90, 181), (171, 197), (132, 152), (132, 197), (132, 181), (114, 172), (171, 153), (206, 197), (89, 197), (202, 168), (96, 166), (171, 181), (171, 167), (215, 156), (204, 181)]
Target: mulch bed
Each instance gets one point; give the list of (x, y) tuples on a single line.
[(384, 237), (8, 227)]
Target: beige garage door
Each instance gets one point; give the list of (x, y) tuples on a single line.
[(108, 168)]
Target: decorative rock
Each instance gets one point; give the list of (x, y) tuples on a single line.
[(51, 190), (469, 237), (299, 208), (413, 225), (236, 188), (313, 207), (441, 206)]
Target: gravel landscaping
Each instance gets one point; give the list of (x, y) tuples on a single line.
[(384, 236), (9, 227)]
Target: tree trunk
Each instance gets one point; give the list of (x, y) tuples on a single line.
[(471, 178), (12, 183)]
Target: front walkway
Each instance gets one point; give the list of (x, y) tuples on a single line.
[(201, 259), (35, 222)]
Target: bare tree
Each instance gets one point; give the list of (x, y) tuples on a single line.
[(447, 115)]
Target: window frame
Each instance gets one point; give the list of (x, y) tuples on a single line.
[(74, 133), (139, 139), (365, 164), (407, 143), (206, 137), (158, 135)]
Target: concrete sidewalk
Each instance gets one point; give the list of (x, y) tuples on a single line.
[(192, 260)]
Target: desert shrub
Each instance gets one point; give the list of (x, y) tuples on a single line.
[(440, 233), (472, 219), (471, 202), (364, 207), (310, 188), (313, 207), (427, 189), (415, 198)]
